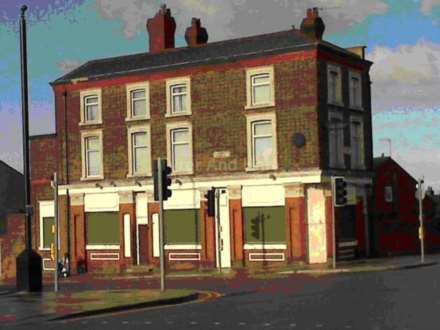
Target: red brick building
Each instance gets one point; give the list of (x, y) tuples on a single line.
[(268, 119), (396, 212)]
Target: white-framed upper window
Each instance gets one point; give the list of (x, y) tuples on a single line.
[(139, 151), (261, 141), (90, 106), (334, 84), (178, 96), (138, 101), (179, 147), (357, 142), (336, 140), (355, 87), (260, 90), (92, 155), (388, 194), (46, 216)]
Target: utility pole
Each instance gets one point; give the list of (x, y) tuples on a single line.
[(56, 225), (28, 262), (421, 233)]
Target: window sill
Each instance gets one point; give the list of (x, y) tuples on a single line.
[(268, 246), (43, 249), (102, 247), (357, 108), (337, 104), (81, 124), (259, 106), (135, 119), (183, 247), (174, 174), (92, 178), (256, 169), (173, 115), (140, 175)]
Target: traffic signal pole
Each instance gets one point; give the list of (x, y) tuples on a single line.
[(56, 225), (334, 235), (161, 225), (217, 217), (421, 233)]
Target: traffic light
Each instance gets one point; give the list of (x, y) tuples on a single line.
[(210, 197), (255, 227), (339, 192), (166, 180)]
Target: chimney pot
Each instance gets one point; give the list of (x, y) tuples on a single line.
[(312, 25), (161, 29), (196, 35)]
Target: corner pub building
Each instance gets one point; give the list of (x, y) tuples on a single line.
[(267, 119)]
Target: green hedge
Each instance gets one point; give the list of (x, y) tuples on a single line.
[(264, 224), (182, 226), (103, 228)]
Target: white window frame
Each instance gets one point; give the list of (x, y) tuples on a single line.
[(130, 131), (46, 209), (353, 105), (84, 135), (250, 119), (338, 92), (90, 93), (388, 192), (354, 165), (134, 87), (179, 125), (173, 82), (250, 73), (339, 161)]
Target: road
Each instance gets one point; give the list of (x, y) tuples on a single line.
[(403, 299)]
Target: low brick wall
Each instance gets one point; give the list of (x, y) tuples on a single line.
[(11, 245)]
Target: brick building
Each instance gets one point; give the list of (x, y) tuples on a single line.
[(396, 212), (268, 119)]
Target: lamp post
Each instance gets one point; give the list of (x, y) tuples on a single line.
[(28, 262)]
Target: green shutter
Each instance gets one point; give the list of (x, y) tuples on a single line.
[(264, 224), (182, 226), (103, 228), (48, 236)]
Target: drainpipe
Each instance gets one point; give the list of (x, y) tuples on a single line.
[(66, 174)]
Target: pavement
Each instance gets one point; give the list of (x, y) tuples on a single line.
[(24, 308)]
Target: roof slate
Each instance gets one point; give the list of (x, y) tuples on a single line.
[(215, 52)]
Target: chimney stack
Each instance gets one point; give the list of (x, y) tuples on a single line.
[(196, 35), (312, 25), (161, 29)]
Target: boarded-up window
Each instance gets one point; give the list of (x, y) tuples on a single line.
[(103, 228), (182, 226), (48, 236), (264, 224)]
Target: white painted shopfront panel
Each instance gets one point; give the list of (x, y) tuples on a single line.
[(183, 199), (267, 195), (142, 209), (106, 202)]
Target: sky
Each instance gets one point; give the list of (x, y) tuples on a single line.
[(402, 39)]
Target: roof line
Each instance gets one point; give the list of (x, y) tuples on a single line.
[(9, 166), (190, 62)]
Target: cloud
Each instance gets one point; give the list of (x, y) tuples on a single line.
[(68, 65), (236, 18), (406, 77), (427, 5)]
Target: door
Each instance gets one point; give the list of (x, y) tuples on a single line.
[(317, 234), (224, 234)]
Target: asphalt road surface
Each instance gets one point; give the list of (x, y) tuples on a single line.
[(403, 299)]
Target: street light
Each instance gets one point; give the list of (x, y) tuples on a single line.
[(28, 262)]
